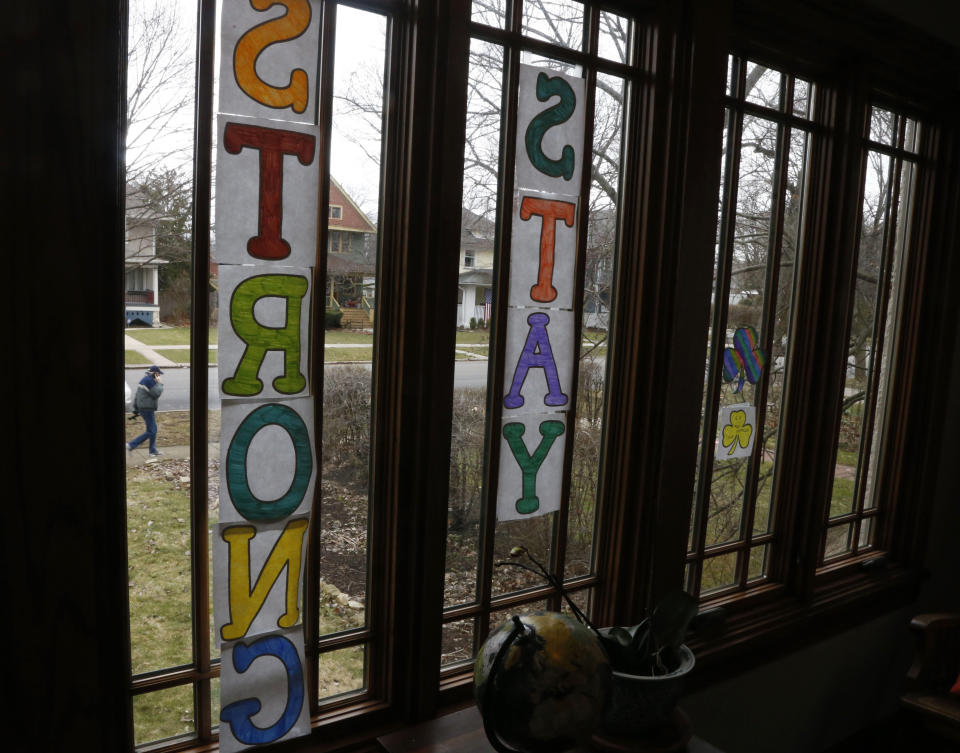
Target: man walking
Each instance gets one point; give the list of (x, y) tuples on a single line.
[(145, 403)]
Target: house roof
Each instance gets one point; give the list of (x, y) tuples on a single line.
[(476, 232), (352, 218), (482, 277)]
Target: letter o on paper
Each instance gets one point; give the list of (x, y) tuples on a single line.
[(248, 505)]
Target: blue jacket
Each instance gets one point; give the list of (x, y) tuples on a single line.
[(148, 392)]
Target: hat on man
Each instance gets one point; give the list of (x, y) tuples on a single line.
[(155, 369)]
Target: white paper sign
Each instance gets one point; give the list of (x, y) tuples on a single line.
[(531, 465), (257, 575), (267, 192), (264, 331), (538, 369), (263, 691), (736, 431), (267, 464), (543, 250), (550, 131), (269, 59)]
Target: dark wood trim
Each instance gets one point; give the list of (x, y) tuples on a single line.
[(311, 596), (416, 370), (199, 358), (64, 528)]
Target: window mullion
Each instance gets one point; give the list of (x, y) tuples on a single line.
[(199, 358), (317, 335), (721, 293)]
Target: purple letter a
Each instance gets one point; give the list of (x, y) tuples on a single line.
[(536, 354)]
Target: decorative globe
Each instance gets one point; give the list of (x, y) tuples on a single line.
[(541, 682)]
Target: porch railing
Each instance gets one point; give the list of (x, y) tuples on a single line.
[(139, 296)]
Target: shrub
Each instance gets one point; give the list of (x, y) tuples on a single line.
[(332, 319), (473, 322)]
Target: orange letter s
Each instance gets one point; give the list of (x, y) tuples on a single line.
[(284, 28)]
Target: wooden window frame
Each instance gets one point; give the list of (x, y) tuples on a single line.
[(670, 166)]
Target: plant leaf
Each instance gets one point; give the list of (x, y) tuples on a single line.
[(671, 617)]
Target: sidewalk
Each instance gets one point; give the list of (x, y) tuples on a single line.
[(141, 455), (151, 356)]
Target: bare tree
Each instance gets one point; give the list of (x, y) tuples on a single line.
[(159, 154)]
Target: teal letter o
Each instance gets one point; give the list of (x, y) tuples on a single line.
[(243, 499)]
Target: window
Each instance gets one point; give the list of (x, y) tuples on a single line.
[(766, 134), (779, 513), (559, 38), (401, 580), (856, 513)]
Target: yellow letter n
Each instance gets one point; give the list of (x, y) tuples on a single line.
[(247, 601)]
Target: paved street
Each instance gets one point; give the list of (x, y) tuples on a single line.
[(176, 382)]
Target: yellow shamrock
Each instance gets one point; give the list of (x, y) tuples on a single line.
[(737, 429)]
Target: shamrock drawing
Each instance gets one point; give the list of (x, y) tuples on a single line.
[(745, 359), (738, 430)]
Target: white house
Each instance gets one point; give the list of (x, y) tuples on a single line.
[(142, 284), (475, 284)]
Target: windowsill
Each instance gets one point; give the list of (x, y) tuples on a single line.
[(764, 626), (462, 732)]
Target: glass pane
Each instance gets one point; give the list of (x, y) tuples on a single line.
[(757, 566), (877, 196), (215, 703), (157, 285), (866, 534), (745, 305), (163, 714), (902, 205), (601, 253), (802, 91), (582, 599), (838, 540), (533, 58), (782, 300), (763, 86), (911, 135), (356, 145), (456, 643), (536, 534), (158, 563), (883, 126), (481, 160), (341, 671), (489, 12), (559, 22), (718, 572), (614, 35), (730, 66), (497, 618)]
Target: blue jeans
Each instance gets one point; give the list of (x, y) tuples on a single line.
[(151, 433)]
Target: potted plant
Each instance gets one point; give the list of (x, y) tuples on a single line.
[(649, 661)]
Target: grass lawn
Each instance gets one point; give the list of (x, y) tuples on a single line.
[(166, 335), (132, 358), (479, 351), (158, 536), (347, 337), (467, 336), (347, 354), (182, 355), (173, 427)]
